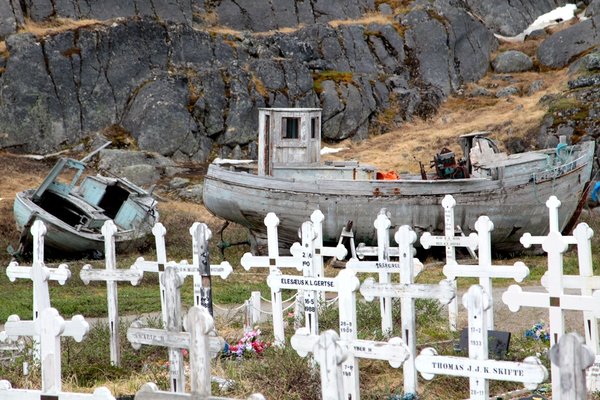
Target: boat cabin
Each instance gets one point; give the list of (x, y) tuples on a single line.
[(288, 136), (289, 146)]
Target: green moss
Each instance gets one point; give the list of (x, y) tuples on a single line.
[(329, 75)]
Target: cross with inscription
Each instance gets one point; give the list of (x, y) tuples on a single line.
[(111, 275), (171, 281), (393, 351), (329, 354), (450, 242), (477, 367), (49, 327), (484, 270), (39, 274), (319, 250), (273, 261), (555, 299), (197, 339), (345, 284), (384, 267), (408, 291)]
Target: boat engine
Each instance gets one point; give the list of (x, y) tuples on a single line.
[(446, 166)]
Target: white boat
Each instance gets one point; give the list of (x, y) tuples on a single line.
[(291, 182)]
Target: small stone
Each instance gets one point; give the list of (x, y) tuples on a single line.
[(178, 182), (512, 61), (507, 91)]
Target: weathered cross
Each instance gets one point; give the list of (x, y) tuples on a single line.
[(572, 357), (319, 250), (199, 325), (273, 261), (331, 351), (383, 266), (477, 367), (222, 270), (111, 275), (408, 291), (450, 242), (555, 299), (306, 252), (39, 274), (345, 284), (49, 327), (484, 270)]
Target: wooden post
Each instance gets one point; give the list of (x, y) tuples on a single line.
[(450, 242), (201, 259), (477, 367), (572, 357)]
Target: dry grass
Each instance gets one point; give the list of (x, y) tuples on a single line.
[(370, 18), (56, 25), (420, 140)]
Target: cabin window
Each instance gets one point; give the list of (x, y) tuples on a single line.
[(314, 125), (290, 128)]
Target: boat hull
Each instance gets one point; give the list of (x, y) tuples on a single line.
[(515, 204)]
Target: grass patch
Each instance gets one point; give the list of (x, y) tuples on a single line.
[(329, 75), (56, 25)]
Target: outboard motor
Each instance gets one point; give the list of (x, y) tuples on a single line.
[(446, 166)]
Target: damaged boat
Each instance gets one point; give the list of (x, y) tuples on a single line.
[(74, 208), (290, 181)]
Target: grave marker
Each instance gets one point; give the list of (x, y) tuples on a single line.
[(111, 275), (450, 241), (383, 266), (49, 327), (572, 357), (330, 355), (408, 291), (345, 284), (555, 299), (273, 261), (477, 367), (39, 274), (199, 324), (484, 270)]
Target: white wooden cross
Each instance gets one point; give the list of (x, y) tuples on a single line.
[(49, 327), (159, 231), (171, 281), (408, 291), (39, 274), (273, 261), (331, 351), (199, 324), (484, 270), (572, 357), (450, 242), (555, 299), (477, 367), (345, 284), (111, 275), (383, 266), (319, 249)]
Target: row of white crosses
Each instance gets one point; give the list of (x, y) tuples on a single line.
[(555, 299), (383, 266), (477, 367), (303, 341), (46, 328), (306, 257)]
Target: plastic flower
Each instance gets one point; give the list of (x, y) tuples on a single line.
[(248, 346)]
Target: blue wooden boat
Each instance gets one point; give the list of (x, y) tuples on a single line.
[(75, 208)]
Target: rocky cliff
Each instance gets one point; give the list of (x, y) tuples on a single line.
[(179, 77)]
